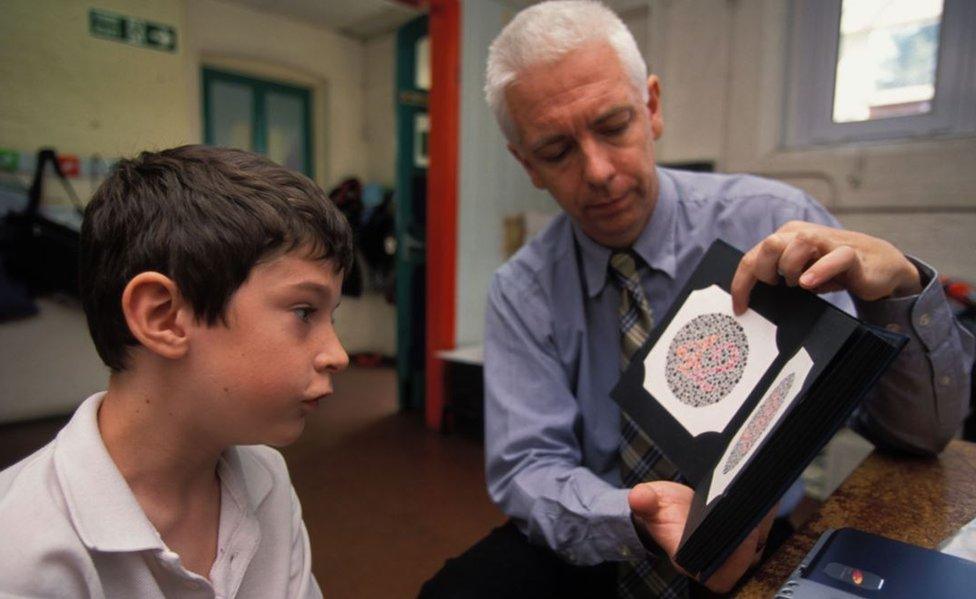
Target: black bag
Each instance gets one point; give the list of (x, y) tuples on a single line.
[(37, 251)]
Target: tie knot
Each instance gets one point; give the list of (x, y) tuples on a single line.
[(623, 264)]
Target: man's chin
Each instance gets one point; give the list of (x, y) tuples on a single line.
[(616, 237)]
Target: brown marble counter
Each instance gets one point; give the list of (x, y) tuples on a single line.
[(915, 500)]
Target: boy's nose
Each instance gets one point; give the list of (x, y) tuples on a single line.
[(333, 356)]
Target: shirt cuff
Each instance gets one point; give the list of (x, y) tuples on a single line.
[(925, 318)]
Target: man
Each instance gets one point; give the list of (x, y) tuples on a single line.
[(571, 93)]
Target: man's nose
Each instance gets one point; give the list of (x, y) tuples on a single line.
[(598, 169), (332, 356)]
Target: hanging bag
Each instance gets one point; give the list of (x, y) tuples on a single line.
[(36, 250)]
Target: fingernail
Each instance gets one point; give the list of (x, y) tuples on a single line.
[(807, 280)]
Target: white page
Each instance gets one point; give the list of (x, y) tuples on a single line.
[(779, 397), (708, 360)]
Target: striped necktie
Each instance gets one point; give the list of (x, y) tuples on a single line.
[(640, 460)]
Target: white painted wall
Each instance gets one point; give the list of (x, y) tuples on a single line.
[(269, 45), (379, 122), (339, 70), (491, 183), (728, 107), (83, 95)]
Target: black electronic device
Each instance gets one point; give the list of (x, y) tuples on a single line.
[(848, 563)]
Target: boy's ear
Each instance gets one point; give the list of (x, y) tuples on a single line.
[(156, 314)]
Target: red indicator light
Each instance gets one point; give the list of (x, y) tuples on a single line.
[(857, 577)]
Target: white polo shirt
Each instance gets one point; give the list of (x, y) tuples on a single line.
[(71, 527)]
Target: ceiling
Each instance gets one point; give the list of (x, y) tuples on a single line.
[(365, 19), (362, 19)]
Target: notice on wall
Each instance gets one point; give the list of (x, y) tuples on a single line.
[(132, 31)]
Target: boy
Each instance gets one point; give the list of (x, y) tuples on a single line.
[(209, 277)]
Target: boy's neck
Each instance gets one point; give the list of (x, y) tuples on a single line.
[(152, 437), (167, 459)]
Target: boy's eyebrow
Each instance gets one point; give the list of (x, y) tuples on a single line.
[(317, 288)]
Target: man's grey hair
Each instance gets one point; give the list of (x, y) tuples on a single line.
[(545, 32)]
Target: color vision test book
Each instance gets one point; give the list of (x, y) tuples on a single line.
[(742, 404)]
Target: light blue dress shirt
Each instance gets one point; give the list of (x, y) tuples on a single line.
[(552, 357)]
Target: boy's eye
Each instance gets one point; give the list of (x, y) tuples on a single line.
[(304, 313)]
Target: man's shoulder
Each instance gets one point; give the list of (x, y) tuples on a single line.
[(40, 543), (540, 257), (735, 191)]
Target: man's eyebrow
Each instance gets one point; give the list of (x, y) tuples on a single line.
[(548, 141), (611, 114)]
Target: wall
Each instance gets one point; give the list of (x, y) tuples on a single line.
[(723, 72), (723, 82), (264, 43), (491, 183), (340, 72), (84, 95), (379, 125)]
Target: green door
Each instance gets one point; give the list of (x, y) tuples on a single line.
[(412, 84)]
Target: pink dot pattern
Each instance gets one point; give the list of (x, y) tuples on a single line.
[(759, 422), (706, 359)]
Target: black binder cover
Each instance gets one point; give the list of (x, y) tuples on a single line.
[(782, 396)]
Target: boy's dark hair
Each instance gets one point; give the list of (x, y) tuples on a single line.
[(204, 217)]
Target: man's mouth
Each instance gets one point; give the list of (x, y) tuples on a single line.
[(610, 205)]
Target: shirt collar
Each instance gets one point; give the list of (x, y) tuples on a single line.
[(100, 503), (655, 244)]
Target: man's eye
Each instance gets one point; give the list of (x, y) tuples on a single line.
[(304, 313), (615, 130), (556, 156)]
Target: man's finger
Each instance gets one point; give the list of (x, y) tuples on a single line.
[(832, 265), (760, 263), (800, 252), (643, 499), (766, 264), (742, 283)]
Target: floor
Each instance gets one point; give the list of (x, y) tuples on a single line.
[(385, 500)]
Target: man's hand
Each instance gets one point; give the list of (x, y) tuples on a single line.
[(661, 507), (822, 259)]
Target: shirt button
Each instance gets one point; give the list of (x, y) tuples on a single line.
[(571, 557), (945, 380), (624, 551), (894, 327), (924, 320)]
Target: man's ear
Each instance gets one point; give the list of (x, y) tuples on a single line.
[(533, 174), (156, 314), (654, 106)]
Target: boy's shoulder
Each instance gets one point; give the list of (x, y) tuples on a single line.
[(40, 543)]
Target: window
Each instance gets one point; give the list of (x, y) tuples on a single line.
[(270, 118), (864, 70)]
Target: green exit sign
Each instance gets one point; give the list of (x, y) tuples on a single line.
[(136, 32)]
